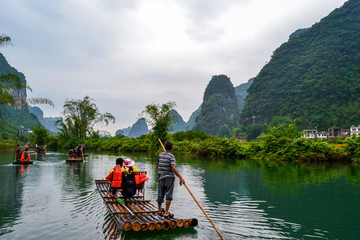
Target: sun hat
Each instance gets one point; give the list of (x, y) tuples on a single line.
[(128, 162)]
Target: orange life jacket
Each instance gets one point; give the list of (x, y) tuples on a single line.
[(117, 177), (25, 156), (140, 178)]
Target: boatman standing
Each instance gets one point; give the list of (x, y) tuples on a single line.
[(167, 172)]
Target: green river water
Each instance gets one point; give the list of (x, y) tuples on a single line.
[(52, 199)]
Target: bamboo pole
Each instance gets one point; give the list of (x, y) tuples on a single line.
[(198, 202)]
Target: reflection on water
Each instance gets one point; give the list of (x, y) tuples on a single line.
[(245, 199)]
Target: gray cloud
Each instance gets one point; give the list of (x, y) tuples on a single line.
[(127, 54)]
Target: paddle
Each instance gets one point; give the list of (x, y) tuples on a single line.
[(16, 145), (197, 201)]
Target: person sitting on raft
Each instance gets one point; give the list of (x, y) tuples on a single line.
[(129, 165), (25, 156), (115, 176), (71, 153)]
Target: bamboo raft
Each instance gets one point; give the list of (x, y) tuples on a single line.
[(75, 160), (25, 162), (40, 151), (144, 215)]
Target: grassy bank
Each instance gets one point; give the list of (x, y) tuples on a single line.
[(7, 145)]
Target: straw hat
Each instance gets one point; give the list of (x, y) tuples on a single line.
[(128, 162)]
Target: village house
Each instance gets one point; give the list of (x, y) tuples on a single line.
[(314, 133), (354, 130), (241, 138), (331, 133), (310, 133), (337, 133)]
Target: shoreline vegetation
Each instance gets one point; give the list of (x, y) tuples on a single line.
[(7, 145), (282, 143)]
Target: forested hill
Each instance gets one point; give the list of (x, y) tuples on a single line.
[(220, 109), (314, 78), (5, 68), (11, 119)]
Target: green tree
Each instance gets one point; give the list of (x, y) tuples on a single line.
[(158, 118), (80, 117), (40, 136), (224, 131), (10, 82), (254, 130)]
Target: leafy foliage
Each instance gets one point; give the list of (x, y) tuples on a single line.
[(284, 143), (8, 83), (80, 116), (190, 135), (159, 118), (4, 40), (40, 136)]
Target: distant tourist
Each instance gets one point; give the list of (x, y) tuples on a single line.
[(25, 156), (18, 152), (79, 151), (83, 147)]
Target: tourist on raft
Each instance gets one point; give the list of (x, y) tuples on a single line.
[(83, 147), (18, 152), (25, 156), (167, 171), (115, 176), (129, 165), (79, 151)]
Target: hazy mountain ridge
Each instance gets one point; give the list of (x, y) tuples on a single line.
[(180, 125), (47, 122)]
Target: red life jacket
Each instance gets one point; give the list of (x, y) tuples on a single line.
[(25, 156), (140, 178), (117, 177)]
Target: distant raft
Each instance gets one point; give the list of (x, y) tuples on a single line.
[(22, 163), (138, 214), (74, 160), (40, 151)]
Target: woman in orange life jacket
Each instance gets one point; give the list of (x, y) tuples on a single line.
[(25, 156), (115, 176)]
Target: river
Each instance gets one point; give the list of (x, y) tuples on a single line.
[(52, 199)]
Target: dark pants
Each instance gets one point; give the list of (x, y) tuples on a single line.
[(113, 190), (165, 189)]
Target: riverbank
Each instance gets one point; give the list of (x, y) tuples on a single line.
[(272, 147), (282, 143), (6, 145)]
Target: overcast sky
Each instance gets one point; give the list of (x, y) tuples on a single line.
[(126, 54)]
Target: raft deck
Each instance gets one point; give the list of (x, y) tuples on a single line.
[(144, 217), (74, 160), (25, 162)]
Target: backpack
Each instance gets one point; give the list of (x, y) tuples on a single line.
[(128, 184)]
